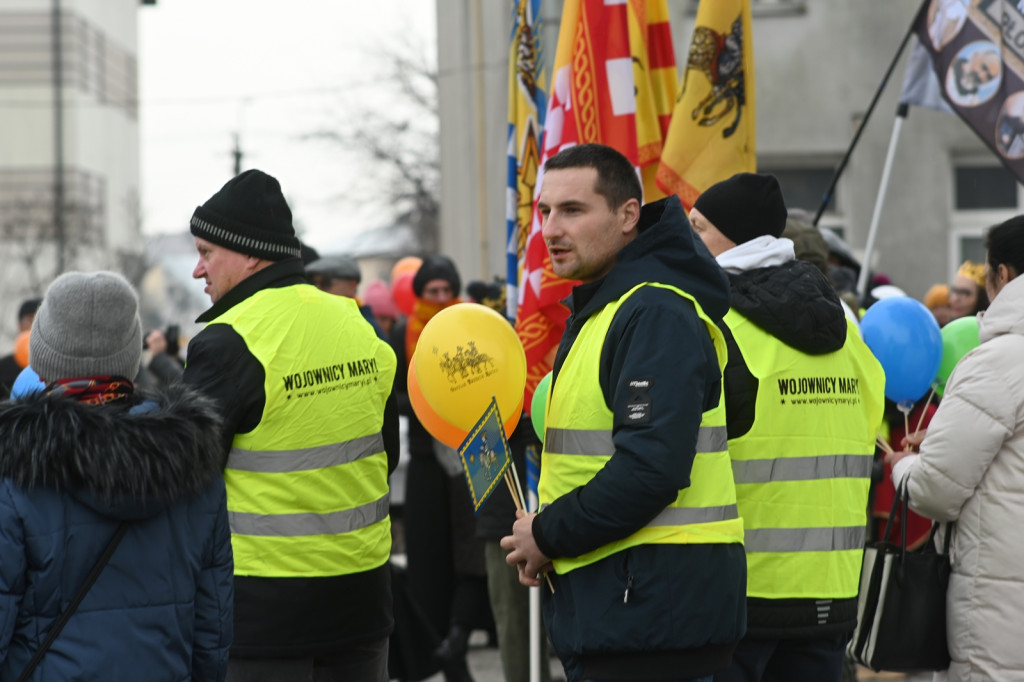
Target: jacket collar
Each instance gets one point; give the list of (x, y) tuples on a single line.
[(281, 274), (125, 463), (1005, 315)]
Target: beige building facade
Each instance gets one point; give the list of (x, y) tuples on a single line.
[(69, 156)]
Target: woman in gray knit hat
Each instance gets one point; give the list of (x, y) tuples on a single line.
[(89, 466)]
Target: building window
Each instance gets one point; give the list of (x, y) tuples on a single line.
[(90, 62), (972, 248), (984, 194), (27, 206), (805, 187), (985, 187)]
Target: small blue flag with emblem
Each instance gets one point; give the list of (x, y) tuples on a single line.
[(485, 455)]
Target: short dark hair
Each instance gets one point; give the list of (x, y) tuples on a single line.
[(28, 307), (617, 181), (1005, 245)]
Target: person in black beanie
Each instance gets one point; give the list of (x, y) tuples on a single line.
[(802, 464), (446, 574), (304, 387)]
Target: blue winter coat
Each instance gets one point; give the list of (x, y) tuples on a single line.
[(71, 473)]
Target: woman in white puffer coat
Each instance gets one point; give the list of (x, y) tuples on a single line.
[(970, 469)]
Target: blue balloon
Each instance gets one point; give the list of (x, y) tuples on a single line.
[(27, 382), (905, 338)]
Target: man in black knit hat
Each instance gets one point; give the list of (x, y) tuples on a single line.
[(304, 385), (803, 400)]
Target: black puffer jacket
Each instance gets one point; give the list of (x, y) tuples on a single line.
[(686, 607), (793, 302), (796, 304)]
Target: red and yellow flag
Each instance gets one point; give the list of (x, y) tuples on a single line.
[(712, 133), (613, 82)]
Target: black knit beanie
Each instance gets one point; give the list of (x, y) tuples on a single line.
[(248, 215), (744, 207), (436, 267)]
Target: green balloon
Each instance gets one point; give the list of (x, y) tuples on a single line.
[(958, 337), (539, 405)]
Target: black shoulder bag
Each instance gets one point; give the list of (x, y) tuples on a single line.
[(901, 609), (63, 618)]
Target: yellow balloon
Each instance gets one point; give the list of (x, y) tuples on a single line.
[(467, 354)]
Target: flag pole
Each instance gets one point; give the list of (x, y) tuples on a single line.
[(867, 115), (865, 263)]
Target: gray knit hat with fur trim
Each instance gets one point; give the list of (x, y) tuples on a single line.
[(88, 325), (248, 215)]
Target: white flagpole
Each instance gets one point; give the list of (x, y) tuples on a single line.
[(536, 628), (865, 265), (535, 633)]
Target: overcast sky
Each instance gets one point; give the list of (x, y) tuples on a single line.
[(270, 71)]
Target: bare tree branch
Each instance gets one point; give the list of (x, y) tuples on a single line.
[(396, 146)]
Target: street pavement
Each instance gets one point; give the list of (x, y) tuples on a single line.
[(485, 665)]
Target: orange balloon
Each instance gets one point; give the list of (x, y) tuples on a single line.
[(466, 355), (407, 264), (436, 426), (21, 349), (401, 291)]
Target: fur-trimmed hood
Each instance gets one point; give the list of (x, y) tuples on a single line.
[(124, 462)]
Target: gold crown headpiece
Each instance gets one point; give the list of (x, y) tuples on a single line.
[(973, 271)]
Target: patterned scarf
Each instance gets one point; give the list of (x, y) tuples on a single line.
[(422, 313), (99, 390)]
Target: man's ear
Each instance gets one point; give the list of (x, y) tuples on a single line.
[(1005, 273), (630, 215), (254, 264)]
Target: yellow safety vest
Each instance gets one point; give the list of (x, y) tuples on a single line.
[(578, 443), (803, 470), (307, 488)]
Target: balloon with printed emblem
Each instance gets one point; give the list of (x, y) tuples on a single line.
[(466, 355)]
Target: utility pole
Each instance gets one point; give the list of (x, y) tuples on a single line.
[(237, 154), (59, 222)]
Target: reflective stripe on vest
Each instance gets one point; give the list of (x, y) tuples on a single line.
[(599, 442), (578, 442), (805, 539), (295, 525), (319, 457), (307, 488), (803, 469)]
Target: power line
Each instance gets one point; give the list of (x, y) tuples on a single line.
[(212, 99)]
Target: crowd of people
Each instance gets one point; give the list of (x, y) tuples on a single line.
[(709, 459)]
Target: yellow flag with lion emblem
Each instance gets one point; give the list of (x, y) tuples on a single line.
[(712, 133)]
